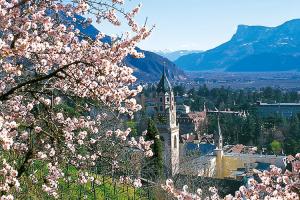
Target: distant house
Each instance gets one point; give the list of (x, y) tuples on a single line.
[(183, 109), (192, 122), (278, 109)]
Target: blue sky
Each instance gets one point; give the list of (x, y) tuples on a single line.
[(204, 24)]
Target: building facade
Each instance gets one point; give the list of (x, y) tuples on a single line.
[(278, 109)]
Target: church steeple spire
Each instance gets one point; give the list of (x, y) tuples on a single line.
[(164, 69), (164, 84)]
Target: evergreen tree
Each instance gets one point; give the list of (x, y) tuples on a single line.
[(203, 91), (248, 131), (294, 126), (292, 142), (179, 90), (258, 130), (157, 148)]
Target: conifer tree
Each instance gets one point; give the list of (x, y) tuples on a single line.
[(157, 158), (292, 142)]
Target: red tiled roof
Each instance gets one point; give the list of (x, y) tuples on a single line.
[(197, 116), (239, 148), (188, 137)]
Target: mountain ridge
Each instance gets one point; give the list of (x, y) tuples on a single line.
[(174, 55), (245, 50), (148, 68)]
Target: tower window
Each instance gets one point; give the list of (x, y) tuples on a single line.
[(168, 99), (175, 142), (161, 99), (161, 108)]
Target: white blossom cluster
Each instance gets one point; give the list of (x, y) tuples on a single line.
[(45, 61), (274, 184)]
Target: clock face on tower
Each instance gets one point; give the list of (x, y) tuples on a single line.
[(173, 120)]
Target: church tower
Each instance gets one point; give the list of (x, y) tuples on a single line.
[(167, 125)]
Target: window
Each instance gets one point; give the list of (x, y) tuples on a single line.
[(161, 99), (168, 99), (161, 108), (175, 142)]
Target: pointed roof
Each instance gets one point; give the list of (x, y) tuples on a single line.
[(164, 84), (220, 137)]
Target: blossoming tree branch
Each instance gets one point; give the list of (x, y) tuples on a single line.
[(270, 184), (46, 63)]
